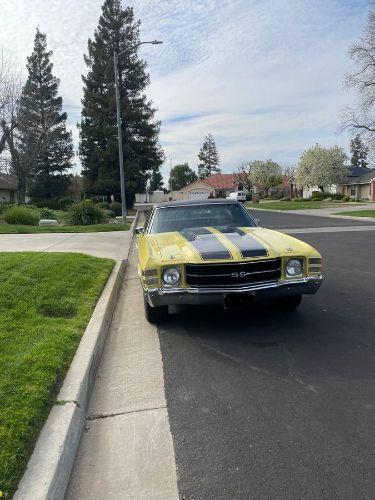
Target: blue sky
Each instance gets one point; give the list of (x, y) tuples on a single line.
[(263, 76)]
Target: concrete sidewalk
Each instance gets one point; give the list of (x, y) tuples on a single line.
[(112, 245), (127, 449)]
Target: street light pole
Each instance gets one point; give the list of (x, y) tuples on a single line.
[(119, 138), (119, 131)]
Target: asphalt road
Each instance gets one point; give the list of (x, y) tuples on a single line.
[(275, 220), (279, 406)]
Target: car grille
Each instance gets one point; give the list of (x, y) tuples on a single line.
[(233, 274)]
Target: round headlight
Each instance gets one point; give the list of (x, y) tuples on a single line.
[(171, 275), (294, 267)]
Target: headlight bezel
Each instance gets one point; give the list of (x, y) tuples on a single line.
[(175, 283), (299, 274)]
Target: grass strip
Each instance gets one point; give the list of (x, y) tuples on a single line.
[(46, 301), (299, 205), (358, 213)]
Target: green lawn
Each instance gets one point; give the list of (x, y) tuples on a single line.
[(358, 213), (298, 205), (46, 301), (10, 229)]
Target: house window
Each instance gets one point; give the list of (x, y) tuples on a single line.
[(353, 191)]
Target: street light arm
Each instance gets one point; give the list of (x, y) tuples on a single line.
[(134, 47)]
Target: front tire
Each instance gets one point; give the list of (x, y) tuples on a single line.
[(288, 303), (155, 315)]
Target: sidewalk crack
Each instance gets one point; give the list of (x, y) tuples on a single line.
[(98, 416)]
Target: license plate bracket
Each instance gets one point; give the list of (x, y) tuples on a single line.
[(238, 300)]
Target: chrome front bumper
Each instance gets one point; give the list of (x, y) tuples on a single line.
[(206, 296)]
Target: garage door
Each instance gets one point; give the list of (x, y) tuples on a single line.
[(198, 195)]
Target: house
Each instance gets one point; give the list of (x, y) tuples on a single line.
[(215, 186), (360, 183), (8, 188)]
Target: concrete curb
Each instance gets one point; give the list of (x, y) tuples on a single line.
[(48, 471), (135, 221)]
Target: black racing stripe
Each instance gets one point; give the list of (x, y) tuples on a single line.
[(247, 244), (206, 243)]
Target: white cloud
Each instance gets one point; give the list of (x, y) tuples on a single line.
[(263, 76)]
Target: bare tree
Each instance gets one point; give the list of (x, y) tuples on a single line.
[(360, 119), (10, 88), (290, 174)]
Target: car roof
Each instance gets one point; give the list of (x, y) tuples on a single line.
[(196, 202)]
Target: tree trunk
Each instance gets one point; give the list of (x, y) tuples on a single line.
[(21, 191), (16, 163)]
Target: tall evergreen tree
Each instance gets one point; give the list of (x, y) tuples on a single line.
[(117, 31), (208, 158), (359, 152), (45, 147)]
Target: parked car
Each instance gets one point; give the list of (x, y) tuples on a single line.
[(237, 195), (214, 252)]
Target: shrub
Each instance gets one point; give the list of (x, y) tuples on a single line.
[(47, 202), (318, 195), (336, 196), (5, 206), (86, 213), (47, 213), (346, 198), (298, 198), (109, 214), (116, 207), (22, 215), (64, 203), (286, 198), (103, 204)]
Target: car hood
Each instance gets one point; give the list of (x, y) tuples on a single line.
[(208, 244)]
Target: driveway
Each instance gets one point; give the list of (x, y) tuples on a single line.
[(258, 405), (112, 245)]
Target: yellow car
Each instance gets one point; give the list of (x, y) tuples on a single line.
[(214, 252)]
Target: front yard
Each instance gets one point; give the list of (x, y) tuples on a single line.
[(46, 301), (358, 213)]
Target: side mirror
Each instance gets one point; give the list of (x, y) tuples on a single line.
[(138, 230)]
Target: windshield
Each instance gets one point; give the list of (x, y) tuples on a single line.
[(212, 215)]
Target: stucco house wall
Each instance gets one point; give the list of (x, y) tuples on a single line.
[(7, 196), (307, 192), (197, 190)]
